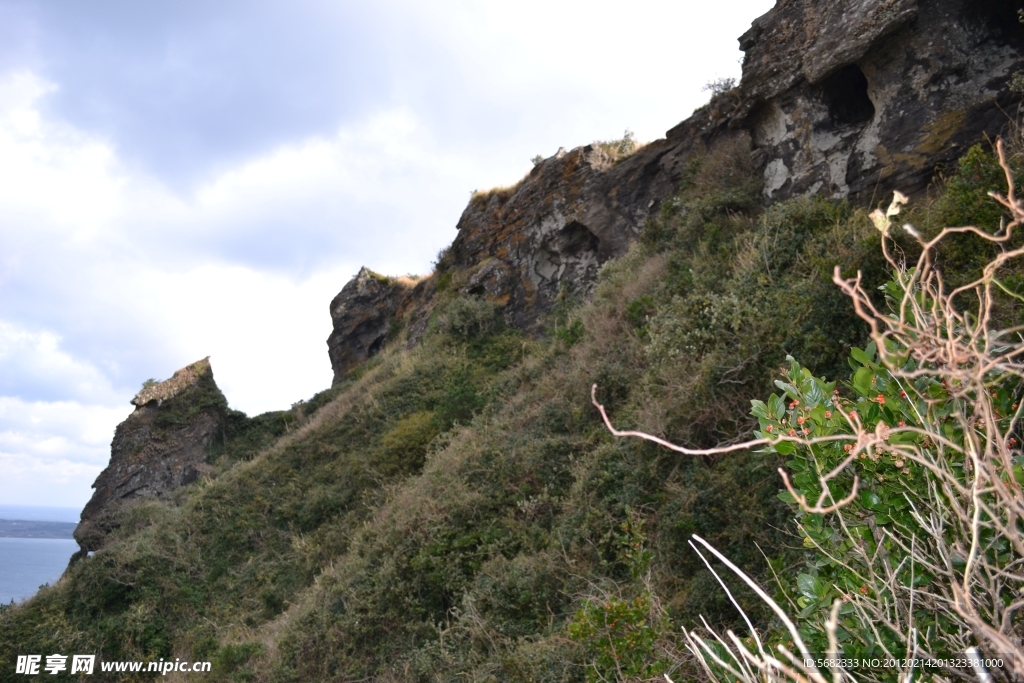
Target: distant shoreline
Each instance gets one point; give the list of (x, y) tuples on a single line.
[(21, 528)]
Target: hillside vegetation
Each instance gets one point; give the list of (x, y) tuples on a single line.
[(457, 511)]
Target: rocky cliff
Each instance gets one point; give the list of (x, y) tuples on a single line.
[(163, 445), (849, 99), (858, 98), (364, 313)]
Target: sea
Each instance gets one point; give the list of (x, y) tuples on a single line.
[(28, 563)]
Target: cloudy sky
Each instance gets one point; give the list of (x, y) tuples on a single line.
[(192, 178)]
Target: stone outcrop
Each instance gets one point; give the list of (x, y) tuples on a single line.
[(523, 247), (163, 445), (858, 98), (366, 311), (850, 100)]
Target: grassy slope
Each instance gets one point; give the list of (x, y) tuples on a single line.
[(448, 510)]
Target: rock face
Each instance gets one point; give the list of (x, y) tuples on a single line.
[(163, 445), (525, 246), (862, 97), (365, 311), (851, 99)]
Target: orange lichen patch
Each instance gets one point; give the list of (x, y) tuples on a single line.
[(935, 138), (887, 161), (938, 133)]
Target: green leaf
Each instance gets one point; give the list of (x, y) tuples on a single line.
[(869, 498), (759, 409), (790, 390), (814, 394), (784, 447), (862, 380), (805, 583), (860, 356), (787, 497)]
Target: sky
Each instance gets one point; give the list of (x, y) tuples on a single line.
[(190, 178)]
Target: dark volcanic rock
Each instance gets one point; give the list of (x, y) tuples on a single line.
[(363, 313), (847, 99), (163, 445), (546, 237), (524, 247), (859, 98)]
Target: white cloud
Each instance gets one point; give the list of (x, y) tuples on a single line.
[(593, 68), (51, 176), (132, 269), (28, 480), (266, 334), (52, 451), (34, 362)]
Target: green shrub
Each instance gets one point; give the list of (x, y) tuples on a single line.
[(905, 486), (405, 444), (620, 632), (467, 318)]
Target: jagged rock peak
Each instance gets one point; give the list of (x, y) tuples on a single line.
[(362, 314), (169, 388), (163, 445)]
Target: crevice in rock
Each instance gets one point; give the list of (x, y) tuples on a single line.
[(571, 241), (375, 346), (574, 242)]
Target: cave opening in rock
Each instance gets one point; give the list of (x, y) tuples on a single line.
[(846, 94), (375, 346), (574, 239)]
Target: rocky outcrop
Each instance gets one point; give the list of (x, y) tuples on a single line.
[(855, 99), (523, 247), (849, 99), (366, 310), (163, 445)]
